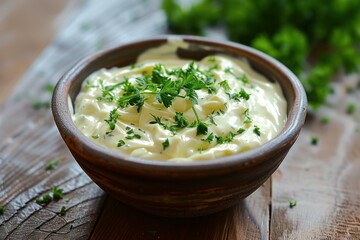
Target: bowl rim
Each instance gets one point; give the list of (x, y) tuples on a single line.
[(114, 159)]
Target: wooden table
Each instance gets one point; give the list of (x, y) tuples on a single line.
[(323, 179)]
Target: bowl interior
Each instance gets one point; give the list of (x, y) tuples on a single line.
[(198, 48)]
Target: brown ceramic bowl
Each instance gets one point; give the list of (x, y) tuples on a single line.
[(178, 189)]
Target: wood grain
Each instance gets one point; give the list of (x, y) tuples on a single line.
[(26, 27), (322, 178)]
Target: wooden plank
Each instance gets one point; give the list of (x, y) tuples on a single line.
[(247, 220), (29, 140), (322, 178), (26, 27)]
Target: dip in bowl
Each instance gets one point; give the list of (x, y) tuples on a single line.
[(198, 157)]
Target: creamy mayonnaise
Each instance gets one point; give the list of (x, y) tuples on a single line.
[(240, 108)]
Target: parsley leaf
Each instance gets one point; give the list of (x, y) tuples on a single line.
[(166, 144), (51, 165)]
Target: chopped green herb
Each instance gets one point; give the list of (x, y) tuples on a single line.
[(180, 121), (63, 211), (257, 130), (49, 88), (113, 116), (52, 164), (351, 108), (120, 143), (157, 120), (95, 136), (240, 130), (44, 199), (314, 140), (41, 104), (165, 144), (325, 120), (211, 118), (242, 94), (225, 85), (209, 138), (248, 119), (201, 128), (2, 209), (57, 193), (66, 200), (292, 203)]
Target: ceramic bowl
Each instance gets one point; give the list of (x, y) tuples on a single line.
[(169, 188)]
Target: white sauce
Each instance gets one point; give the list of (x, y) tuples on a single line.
[(266, 108)]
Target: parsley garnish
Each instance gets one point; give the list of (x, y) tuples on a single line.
[(209, 138), (51, 165), (225, 85), (131, 134), (242, 94), (257, 130), (247, 116), (292, 203), (314, 140), (63, 211), (157, 120), (166, 144), (44, 199), (2, 209), (113, 116), (120, 143), (57, 193), (41, 104), (49, 88), (325, 120), (351, 108), (180, 121)]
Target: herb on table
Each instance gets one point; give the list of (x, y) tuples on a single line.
[(314, 140), (44, 199), (57, 193), (63, 211), (351, 108), (166, 144), (52, 164), (41, 104), (292, 203), (325, 120), (2, 209)]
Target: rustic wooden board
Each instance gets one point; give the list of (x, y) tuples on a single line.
[(322, 178), (29, 139)]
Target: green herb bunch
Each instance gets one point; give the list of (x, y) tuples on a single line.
[(298, 32)]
